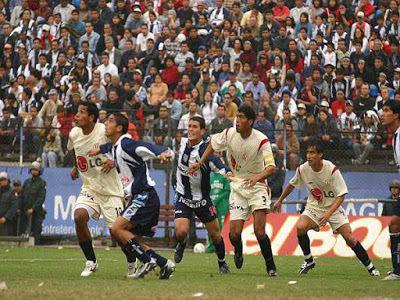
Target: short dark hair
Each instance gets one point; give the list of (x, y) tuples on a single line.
[(248, 112), (317, 144), (201, 121), (121, 120), (394, 106), (91, 109)]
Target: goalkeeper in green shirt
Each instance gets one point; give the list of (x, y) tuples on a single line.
[(220, 190)]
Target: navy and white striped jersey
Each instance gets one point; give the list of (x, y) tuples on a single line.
[(196, 187), (130, 161), (396, 147)]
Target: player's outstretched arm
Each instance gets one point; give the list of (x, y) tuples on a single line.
[(286, 192), (196, 166), (147, 150)]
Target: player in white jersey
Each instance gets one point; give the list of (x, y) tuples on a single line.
[(251, 162), (391, 119), (101, 191), (326, 191)]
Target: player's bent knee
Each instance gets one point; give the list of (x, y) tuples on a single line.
[(81, 216), (259, 232), (350, 240)]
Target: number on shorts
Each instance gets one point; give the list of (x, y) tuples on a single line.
[(264, 199), (118, 210)]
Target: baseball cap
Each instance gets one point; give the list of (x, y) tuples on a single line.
[(397, 70), (3, 175), (138, 71), (395, 184), (202, 47), (36, 166), (360, 14), (205, 71), (324, 104), (137, 9), (53, 92), (301, 105)]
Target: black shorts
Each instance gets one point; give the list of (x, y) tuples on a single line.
[(203, 209), (142, 212), (396, 208)]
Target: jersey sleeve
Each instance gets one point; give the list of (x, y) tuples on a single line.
[(71, 137), (297, 181), (219, 141), (266, 150), (216, 165), (106, 148), (338, 184), (145, 150)]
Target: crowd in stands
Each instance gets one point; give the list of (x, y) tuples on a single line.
[(313, 68)]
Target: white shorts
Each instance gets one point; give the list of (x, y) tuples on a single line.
[(243, 201), (337, 219), (95, 204)]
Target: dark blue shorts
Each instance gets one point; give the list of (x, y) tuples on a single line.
[(396, 208), (203, 209), (142, 212)]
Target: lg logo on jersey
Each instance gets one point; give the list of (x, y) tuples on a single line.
[(318, 194), (83, 164)]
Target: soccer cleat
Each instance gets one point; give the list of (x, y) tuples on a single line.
[(238, 258), (180, 248), (392, 276), (272, 273), (306, 266), (90, 267), (374, 272), (132, 269), (224, 268), (145, 269), (167, 270)]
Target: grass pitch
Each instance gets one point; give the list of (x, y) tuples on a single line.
[(50, 273)]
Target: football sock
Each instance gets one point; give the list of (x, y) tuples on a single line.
[(220, 250), (130, 257), (304, 242), (133, 246), (265, 245), (160, 260), (362, 255), (88, 251), (237, 244), (395, 249)]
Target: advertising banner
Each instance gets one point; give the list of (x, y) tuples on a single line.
[(372, 232)]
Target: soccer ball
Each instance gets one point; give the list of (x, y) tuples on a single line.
[(199, 248)]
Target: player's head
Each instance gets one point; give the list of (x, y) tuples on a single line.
[(391, 112), (87, 114), (314, 152), (245, 118), (116, 125), (196, 128)]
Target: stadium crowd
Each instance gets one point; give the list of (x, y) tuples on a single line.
[(316, 68)]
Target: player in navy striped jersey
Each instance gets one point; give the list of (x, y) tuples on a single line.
[(391, 119), (140, 216), (193, 192)]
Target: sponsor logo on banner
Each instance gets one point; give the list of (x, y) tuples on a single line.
[(372, 232)]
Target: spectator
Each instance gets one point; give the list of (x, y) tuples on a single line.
[(286, 102), (8, 207), (292, 148), (107, 67), (221, 122), (175, 108), (287, 118), (33, 196), (348, 123), (388, 207), (265, 126), (327, 130), (364, 102), (8, 132), (32, 127), (52, 150), (230, 107), (339, 105), (209, 108), (49, 108), (158, 91), (162, 126), (184, 121)]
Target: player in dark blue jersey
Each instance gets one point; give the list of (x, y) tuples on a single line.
[(140, 216), (193, 192)]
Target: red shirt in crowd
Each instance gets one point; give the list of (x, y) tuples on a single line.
[(338, 107)]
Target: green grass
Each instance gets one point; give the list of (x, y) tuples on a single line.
[(49, 273)]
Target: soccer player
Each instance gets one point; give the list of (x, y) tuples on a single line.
[(251, 161), (391, 119), (326, 192), (101, 191), (193, 192), (140, 216)]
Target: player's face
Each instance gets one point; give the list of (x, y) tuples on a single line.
[(313, 157), (388, 117), (111, 126), (82, 117), (242, 123), (195, 132)]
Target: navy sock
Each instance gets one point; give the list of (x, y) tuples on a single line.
[(237, 244), (395, 249), (130, 257), (88, 251), (220, 250), (361, 254), (304, 242), (266, 250), (160, 260), (133, 247)]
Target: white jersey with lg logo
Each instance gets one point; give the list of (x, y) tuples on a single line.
[(323, 187), (90, 167)]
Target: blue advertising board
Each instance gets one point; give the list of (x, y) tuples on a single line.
[(62, 193)]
